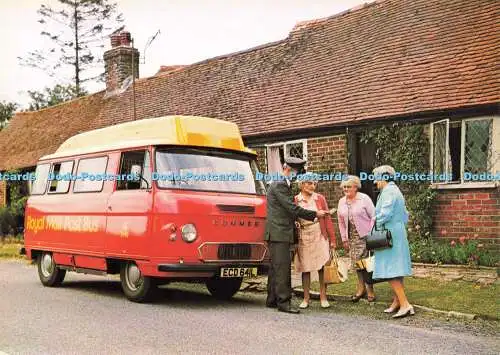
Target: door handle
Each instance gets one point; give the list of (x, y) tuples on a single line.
[(110, 208)]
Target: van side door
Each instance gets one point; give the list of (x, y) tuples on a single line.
[(85, 208), (129, 209)]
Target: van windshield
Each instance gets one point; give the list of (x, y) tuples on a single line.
[(206, 170)]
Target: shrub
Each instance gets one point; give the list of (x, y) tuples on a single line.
[(465, 252), (396, 145), (7, 222), (12, 217)]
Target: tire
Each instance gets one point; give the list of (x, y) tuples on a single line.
[(48, 272), (224, 289), (135, 286)]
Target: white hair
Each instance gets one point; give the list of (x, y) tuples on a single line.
[(302, 178), (351, 179), (382, 170)]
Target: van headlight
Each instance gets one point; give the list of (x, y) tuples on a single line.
[(188, 232)]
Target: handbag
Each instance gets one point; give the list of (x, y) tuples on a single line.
[(333, 271), (367, 272), (379, 239), (367, 263)]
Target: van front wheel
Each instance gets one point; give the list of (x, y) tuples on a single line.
[(136, 286), (224, 289), (48, 272)]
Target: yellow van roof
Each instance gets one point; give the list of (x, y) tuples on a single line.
[(169, 130)]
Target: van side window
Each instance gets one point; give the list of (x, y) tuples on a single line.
[(41, 176), (90, 174), (129, 159), (61, 175)]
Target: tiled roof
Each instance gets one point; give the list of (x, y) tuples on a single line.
[(389, 58), (169, 68), (30, 135)]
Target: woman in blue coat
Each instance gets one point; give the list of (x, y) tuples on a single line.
[(393, 263)]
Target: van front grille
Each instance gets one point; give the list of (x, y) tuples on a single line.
[(222, 252), (234, 252)]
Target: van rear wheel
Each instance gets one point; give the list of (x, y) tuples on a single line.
[(224, 289), (136, 286), (48, 272)]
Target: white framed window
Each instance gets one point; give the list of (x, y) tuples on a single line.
[(463, 150), (61, 184), (277, 152), (39, 185), (92, 167)]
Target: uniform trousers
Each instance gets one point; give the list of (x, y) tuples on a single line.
[(279, 281)]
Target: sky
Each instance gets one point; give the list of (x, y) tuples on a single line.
[(190, 31)]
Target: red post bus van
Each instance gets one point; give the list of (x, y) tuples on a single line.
[(155, 200)]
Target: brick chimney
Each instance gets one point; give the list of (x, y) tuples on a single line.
[(121, 61)]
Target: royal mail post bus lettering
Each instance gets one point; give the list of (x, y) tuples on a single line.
[(150, 230)]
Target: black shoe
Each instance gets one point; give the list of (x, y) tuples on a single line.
[(356, 298), (292, 310), (271, 302)]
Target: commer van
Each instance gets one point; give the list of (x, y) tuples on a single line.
[(150, 231)]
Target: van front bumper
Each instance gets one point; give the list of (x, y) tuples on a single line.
[(213, 268)]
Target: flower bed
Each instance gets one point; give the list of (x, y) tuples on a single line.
[(462, 252)]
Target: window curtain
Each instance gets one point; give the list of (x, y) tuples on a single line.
[(273, 160)]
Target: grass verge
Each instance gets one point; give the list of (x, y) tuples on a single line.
[(459, 296), (10, 250)]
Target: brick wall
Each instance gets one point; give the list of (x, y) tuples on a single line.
[(457, 213), (471, 213), (3, 193), (324, 155), (328, 155), (261, 158)]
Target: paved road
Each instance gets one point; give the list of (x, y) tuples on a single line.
[(89, 315)]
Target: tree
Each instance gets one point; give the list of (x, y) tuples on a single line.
[(83, 26), (7, 110), (53, 96)]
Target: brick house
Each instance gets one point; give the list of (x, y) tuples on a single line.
[(312, 93)]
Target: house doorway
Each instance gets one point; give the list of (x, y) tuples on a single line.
[(362, 159)]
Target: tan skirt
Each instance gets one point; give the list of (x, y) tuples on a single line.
[(313, 249)]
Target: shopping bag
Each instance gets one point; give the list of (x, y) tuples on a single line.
[(343, 270), (331, 273), (334, 272), (367, 263)]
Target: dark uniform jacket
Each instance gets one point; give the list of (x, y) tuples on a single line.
[(282, 213)]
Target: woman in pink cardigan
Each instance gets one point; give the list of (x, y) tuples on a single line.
[(315, 240), (356, 213)]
